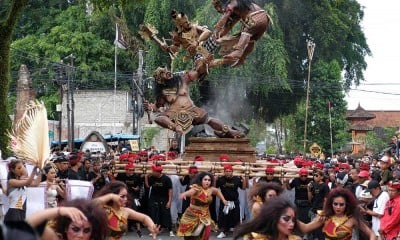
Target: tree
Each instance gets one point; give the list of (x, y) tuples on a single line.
[(326, 87), (7, 26)]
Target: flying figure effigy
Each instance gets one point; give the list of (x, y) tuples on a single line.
[(254, 20)]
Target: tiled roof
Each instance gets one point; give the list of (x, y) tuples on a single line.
[(360, 126), (359, 113)]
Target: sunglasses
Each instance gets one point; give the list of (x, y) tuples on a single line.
[(303, 175), (338, 204), (316, 175), (287, 218), (269, 174), (341, 168)]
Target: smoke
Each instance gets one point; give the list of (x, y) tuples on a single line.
[(228, 100)]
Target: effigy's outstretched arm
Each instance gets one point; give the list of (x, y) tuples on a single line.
[(148, 31), (220, 28)]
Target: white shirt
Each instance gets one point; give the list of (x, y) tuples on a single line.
[(379, 207)]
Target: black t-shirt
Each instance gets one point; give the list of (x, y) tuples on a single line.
[(274, 180), (186, 181), (300, 188), (131, 182), (319, 192), (229, 187), (72, 175), (160, 187), (177, 150), (62, 175)]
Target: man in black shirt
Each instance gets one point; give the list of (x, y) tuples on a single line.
[(75, 163), (317, 191), (229, 185), (160, 198), (300, 185), (269, 172)]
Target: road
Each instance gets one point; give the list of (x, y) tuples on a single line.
[(165, 236)]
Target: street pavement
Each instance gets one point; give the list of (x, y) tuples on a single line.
[(165, 235)]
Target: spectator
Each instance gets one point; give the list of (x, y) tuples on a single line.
[(52, 186), (16, 189), (381, 197), (390, 222)]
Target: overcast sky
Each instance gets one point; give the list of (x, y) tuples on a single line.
[(381, 88)]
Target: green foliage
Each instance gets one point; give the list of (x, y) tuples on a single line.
[(271, 150), (378, 139), (335, 28), (318, 124), (268, 86), (12, 12), (257, 131), (148, 135)]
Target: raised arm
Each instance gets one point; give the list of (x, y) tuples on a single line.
[(107, 198), (39, 217), (22, 182), (35, 182), (218, 193), (146, 220), (308, 227), (188, 193)]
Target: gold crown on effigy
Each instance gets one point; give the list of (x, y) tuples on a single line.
[(179, 18), (157, 75)]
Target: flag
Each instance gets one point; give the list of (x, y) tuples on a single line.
[(119, 38)]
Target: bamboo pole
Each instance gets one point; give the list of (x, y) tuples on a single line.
[(239, 169)]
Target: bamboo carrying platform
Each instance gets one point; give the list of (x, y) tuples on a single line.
[(211, 148), (180, 167)]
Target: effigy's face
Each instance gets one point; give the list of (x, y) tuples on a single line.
[(218, 6), (161, 75), (181, 21)]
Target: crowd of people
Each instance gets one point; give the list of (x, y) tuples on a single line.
[(338, 198)]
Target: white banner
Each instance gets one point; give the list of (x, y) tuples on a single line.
[(79, 189)]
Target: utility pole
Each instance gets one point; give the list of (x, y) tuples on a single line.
[(310, 51), (70, 103), (139, 97), (60, 81)]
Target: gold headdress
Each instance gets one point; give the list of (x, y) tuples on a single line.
[(158, 74), (30, 135), (179, 19)]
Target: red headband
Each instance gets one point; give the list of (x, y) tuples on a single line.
[(157, 168), (228, 167)]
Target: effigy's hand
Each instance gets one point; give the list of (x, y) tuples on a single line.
[(148, 106), (164, 47)]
